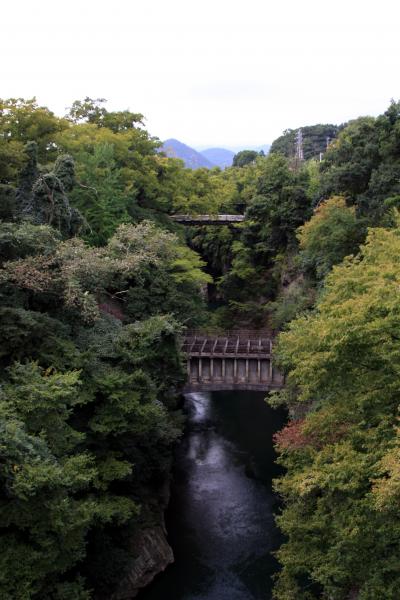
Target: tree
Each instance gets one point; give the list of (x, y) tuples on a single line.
[(332, 233), (340, 518), (101, 194), (22, 121), (88, 398), (278, 208), (48, 203), (244, 157), (93, 111), (45, 478)]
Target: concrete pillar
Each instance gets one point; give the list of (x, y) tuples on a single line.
[(189, 371), (259, 370), (247, 370), (212, 369), (223, 369), (234, 369), (200, 369), (271, 373)]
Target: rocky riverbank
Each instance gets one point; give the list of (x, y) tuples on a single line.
[(151, 555)]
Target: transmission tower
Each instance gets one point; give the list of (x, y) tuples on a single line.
[(299, 147), (298, 157)]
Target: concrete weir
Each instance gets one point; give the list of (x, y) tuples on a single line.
[(234, 360)]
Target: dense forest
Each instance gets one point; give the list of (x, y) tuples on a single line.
[(97, 286), (316, 140)]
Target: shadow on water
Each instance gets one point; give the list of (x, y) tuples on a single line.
[(220, 518)]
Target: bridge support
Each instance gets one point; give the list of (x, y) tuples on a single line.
[(225, 373), (236, 360)]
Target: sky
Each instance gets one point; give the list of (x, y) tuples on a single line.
[(207, 72)]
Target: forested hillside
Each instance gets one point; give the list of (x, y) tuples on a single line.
[(340, 449), (97, 286), (91, 364), (316, 139)]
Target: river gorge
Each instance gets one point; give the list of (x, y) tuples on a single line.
[(221, 514)]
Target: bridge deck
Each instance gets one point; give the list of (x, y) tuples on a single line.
[(208, 219), (227, 345), (232, 360)]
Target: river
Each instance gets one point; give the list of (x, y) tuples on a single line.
[(220, 517)]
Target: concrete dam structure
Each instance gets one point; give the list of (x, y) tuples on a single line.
[(233, 360)]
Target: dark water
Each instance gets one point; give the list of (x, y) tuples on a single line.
[(220, 516)]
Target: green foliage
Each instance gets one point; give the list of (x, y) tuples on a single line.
[(101, 194), (204, 191), (49, 204), (93, 111), (332, 233), (27, 177), (280, 206), (44, 516), (77, 276), (18, 240), (363, 163), (341, 517), (215, 245), (315, 140), (22, 121), (88, 396), (90, 350), (8, 207), (293, 299), (244, 157), (281, 203), (119, 178), (27, 334)]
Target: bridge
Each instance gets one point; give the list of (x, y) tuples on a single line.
[(207, 219), (233, 360)]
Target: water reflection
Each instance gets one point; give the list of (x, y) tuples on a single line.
[(221, 513)]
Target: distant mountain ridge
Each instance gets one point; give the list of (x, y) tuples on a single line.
[(208, 158), (265, 148), (192, 159), (221, 157)]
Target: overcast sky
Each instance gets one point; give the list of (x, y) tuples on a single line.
[(208, 72)]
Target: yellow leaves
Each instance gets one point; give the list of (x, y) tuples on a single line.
[(386, 489), (322, 214), (357, 318)]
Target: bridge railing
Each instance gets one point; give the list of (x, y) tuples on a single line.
[(241, 342), (235, 359), (230, 333)]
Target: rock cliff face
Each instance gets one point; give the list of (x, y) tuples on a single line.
[(151, 555)]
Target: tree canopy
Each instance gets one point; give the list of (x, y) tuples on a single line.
[(97, 285), (341, 516)]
